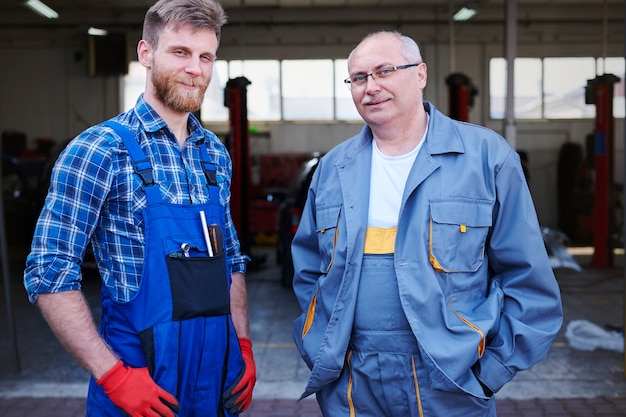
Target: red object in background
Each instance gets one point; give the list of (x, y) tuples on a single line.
[(262, 215), (461, 94), (600, 92), (239, 148)]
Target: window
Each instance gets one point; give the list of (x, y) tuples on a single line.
[(311, 89), (564, 87), (552, 88), (307, 87), (344, 107), (213, 108), (134, 83), (263, 94), (527, 90)]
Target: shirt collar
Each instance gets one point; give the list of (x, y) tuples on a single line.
[(152, 122)]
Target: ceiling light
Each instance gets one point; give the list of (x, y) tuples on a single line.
[(41, 9), (97, 31), (465, 13)]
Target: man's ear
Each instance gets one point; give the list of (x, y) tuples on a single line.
[(422, 74), (144, 53)]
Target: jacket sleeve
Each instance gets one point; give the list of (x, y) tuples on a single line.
[(532, 311), (305, 251)]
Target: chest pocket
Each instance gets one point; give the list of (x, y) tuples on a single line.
[(458, 232), (327, 219)]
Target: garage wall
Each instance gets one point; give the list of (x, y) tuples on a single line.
[(45, 90)]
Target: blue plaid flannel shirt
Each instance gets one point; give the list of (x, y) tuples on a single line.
[(92, 199)]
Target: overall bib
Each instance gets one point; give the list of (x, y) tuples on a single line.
[(178, 324), (385, 373)]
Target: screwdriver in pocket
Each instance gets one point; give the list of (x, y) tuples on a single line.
[(213, 235)]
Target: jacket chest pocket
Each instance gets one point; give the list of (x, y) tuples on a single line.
[(458, 232), (327, 220)]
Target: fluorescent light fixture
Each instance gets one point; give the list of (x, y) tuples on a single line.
[(41, 8), (465, 13), (97, 31)]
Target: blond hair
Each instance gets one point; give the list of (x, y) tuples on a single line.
[(201, 14)]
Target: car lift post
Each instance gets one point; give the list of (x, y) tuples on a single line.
[(461, 95), (599, 91), (235, 98)]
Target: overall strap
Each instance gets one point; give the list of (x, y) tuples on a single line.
[(208, 166), (141, 164)]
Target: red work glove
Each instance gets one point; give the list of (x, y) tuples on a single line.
[(134, 391), (238, 396)]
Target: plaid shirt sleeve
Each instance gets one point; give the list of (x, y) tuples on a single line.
[(79, 185), (236, 260)]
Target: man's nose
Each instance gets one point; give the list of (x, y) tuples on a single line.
[(193, 66)]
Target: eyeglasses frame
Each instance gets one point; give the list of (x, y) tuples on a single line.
[(349, 82)]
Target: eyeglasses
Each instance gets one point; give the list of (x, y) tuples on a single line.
[(358, 81)]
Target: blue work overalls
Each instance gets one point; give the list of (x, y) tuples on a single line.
[(385, 373), (178, 324)]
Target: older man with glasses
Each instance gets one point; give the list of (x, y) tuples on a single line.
[(419, 263)]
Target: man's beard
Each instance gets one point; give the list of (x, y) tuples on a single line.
[(173, 95)]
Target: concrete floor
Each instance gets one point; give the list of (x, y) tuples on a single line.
[(597, 295)]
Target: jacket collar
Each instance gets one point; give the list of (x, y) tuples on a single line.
[(442, 137)]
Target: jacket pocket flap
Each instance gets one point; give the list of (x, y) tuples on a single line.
[(327, 217), (472, 213)]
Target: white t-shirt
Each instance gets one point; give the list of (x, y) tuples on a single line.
[(387, 181)]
